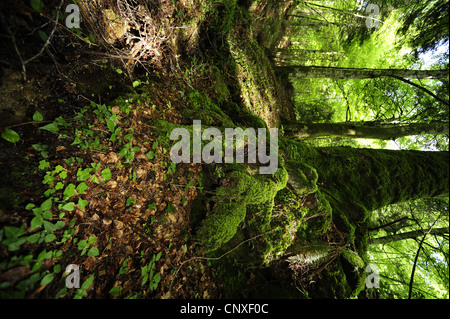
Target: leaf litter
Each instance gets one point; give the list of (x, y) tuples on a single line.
[(134, 211)]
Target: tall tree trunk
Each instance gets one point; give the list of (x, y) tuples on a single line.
[(301, 71), (407, 235), (358, 181), (380, 131), (389, 224), (288, 51)]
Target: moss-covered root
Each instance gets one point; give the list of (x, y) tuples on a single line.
[(252, 189), (220, 227), (242, 189), (302, 177)]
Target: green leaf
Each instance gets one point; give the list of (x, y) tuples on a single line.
[(47, 214), (82, 244), (37, 5), (15, 245), (111, 125), (150, 155), (83, 174), (43, 164), (93, 252), (59, 186), (92, 239), (57, 268), (49, 238), (106, 174), (36, 222), (59, 225), (136, 83), (61, 293), (37, 116), (69, 191), (115, 291), (39, 147), (119, 71), (94, 179), (69, 206), (47, 279), (48, 226), (145, 276), (82, 203), (63, 175), (32, 239), (47, 204), (14, 232), (123, 151), (10, 135), (88, 282), (155, 280), (81, 188), (37, 211), (52, 127)]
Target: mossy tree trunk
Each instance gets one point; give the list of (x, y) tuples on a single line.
[(301, 71), (358, 181), (412, 234), (381, 131)]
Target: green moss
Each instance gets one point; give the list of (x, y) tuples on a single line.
[(241, 116), (201, 106), (259, 215), (221, 225), (358, 181), (302, 177), (220, 87), (353, 258), (243, 189), (319, 218), (283, 227), (297, 151), (252, 189)]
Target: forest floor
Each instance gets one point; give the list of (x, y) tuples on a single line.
[(138, 219)]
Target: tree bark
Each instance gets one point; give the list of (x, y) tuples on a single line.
[(288, 51), (301, 71), (389, 224), (359, 181), (407, 235), (377, 131)]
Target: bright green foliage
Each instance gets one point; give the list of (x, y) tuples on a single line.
[(85, 246), (252, 189), (10, 135), (37, 116), (149, 276), (302, 177), (396, 259)]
